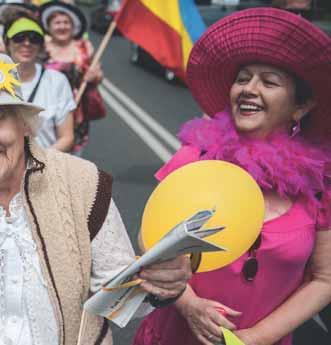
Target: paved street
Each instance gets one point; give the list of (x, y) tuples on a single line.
[(119, 149), (116, 148)]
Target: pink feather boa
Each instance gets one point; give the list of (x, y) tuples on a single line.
[(292, 167)]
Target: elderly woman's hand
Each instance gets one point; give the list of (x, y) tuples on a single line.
[(205, 317), (167, 279), (94, 74)]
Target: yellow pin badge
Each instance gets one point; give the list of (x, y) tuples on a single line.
[(7, 79)]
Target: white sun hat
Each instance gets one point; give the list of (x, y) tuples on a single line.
[(10, 90)]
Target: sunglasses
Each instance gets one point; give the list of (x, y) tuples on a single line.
[(31, 36), (251, 265)]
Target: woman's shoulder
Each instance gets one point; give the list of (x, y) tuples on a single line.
[(55, 90), (54, 76), (89, 188), (67, 164), (74, 166), (56, 81)]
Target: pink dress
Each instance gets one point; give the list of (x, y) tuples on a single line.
[(287, 244)]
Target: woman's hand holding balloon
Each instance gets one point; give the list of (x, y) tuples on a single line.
[(205, 317)]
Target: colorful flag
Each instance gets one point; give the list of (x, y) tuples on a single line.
[(166, 29)]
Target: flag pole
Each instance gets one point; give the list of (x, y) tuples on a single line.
[(81, 327), (105, 40)]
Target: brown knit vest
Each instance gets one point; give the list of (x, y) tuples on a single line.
[(66, 200)]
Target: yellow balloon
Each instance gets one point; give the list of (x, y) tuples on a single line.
[(205, 185)]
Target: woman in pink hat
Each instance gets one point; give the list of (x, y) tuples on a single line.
[(263, 78)]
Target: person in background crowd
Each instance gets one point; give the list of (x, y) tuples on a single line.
[(71, 54), (293, 4), (7, 9), (61, 235), (263, 77), (24, 40), (302, 7)]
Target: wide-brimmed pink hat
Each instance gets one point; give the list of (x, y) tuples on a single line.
[(264, 35)]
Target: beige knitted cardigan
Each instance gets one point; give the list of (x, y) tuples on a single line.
[(66, 200)]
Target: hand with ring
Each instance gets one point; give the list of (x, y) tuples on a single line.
[(211, 339)]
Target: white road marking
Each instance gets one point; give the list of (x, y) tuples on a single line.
[(320, 322), (145, 135), (142, 115)]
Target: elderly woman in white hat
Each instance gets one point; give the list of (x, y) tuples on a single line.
[(61, 235)]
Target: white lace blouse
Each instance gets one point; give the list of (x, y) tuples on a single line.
[(26, 314)]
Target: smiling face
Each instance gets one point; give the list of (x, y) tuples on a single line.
[(61, 27), (12, 132), (263, 100)]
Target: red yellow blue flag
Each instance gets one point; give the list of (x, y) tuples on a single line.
[(166, 29)]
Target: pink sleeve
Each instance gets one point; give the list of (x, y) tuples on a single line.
[(186, 154), (324, 212)]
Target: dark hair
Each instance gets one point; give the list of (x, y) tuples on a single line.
[(303, 93)]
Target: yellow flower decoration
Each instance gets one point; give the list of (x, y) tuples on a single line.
[(7, 79)]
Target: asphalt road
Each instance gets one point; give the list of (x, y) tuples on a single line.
[(115, 147)]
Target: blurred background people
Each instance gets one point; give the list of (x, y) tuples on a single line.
[(293, 4), (7, 8), (24, 41), (71, 54)]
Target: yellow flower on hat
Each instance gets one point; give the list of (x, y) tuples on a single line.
[(7, 79)]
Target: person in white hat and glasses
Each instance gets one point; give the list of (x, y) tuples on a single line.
[(61, 235)]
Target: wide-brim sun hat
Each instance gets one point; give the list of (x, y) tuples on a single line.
[(262, 35), (10, 91), (76, 15)]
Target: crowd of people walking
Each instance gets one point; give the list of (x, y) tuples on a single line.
[(47, 39)]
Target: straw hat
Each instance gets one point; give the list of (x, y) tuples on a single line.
[(10, 91), (262, 35)]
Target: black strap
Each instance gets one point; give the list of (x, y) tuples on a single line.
[(35, 89), (158, 303)]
